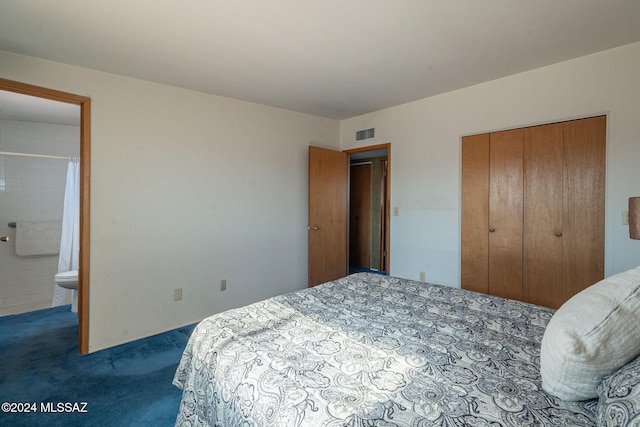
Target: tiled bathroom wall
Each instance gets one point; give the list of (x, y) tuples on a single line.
[(31, 189)]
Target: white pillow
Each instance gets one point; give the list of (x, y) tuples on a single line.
[(591, 335)]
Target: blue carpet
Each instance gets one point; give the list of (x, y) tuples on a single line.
[(355, 269), (127, 385)]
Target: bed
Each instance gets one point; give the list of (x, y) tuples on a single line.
[(372, 350)]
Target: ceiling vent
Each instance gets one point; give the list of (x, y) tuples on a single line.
[(365, 134)]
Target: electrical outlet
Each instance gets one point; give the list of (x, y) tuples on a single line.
[(223, 284), (423, 276), (177, 294)]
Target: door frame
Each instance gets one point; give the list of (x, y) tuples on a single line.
[(85, 161), (387, 201)]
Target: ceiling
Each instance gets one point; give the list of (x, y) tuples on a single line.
[(15, 106), (330, 58)]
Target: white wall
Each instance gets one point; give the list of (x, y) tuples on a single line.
[(186, 189), (426, 136)]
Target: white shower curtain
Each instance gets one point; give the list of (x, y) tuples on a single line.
[(69, 240)]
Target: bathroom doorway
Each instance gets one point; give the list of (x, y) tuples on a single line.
[(41, 130)]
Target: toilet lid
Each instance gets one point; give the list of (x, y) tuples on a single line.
[(67, 275)]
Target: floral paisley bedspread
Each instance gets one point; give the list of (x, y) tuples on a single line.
[(371, 350)]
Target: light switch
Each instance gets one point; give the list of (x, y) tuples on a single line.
[(396, 211), (625, 217)]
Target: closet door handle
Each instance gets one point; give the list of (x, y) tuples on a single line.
[(492, 230), (4, 239), (313, 227), (558, 233)]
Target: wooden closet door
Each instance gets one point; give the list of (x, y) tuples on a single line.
[(543, 207), (360, 216), (506, 213), (475, 213), (584, 197)]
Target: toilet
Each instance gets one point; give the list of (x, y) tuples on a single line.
[(69, 280)]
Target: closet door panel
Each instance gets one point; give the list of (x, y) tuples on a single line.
[(475, 213), (543, 231), (584, 197), (506, 213)]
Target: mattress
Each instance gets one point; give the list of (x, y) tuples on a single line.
[(372, 350)]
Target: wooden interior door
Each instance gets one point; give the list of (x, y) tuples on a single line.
[(584, 182), (543, 225), (475, 213), (328, 210), (360, 216), (506, 213)]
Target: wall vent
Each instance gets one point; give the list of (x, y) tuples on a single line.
[(365, 134)]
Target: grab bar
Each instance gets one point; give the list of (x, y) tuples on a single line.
[(12, 224)]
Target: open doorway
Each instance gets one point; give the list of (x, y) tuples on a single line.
[(39, 139), (32, 94), (369, 209), (328, 224)]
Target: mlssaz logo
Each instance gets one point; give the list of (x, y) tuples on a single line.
[(63, 407)]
